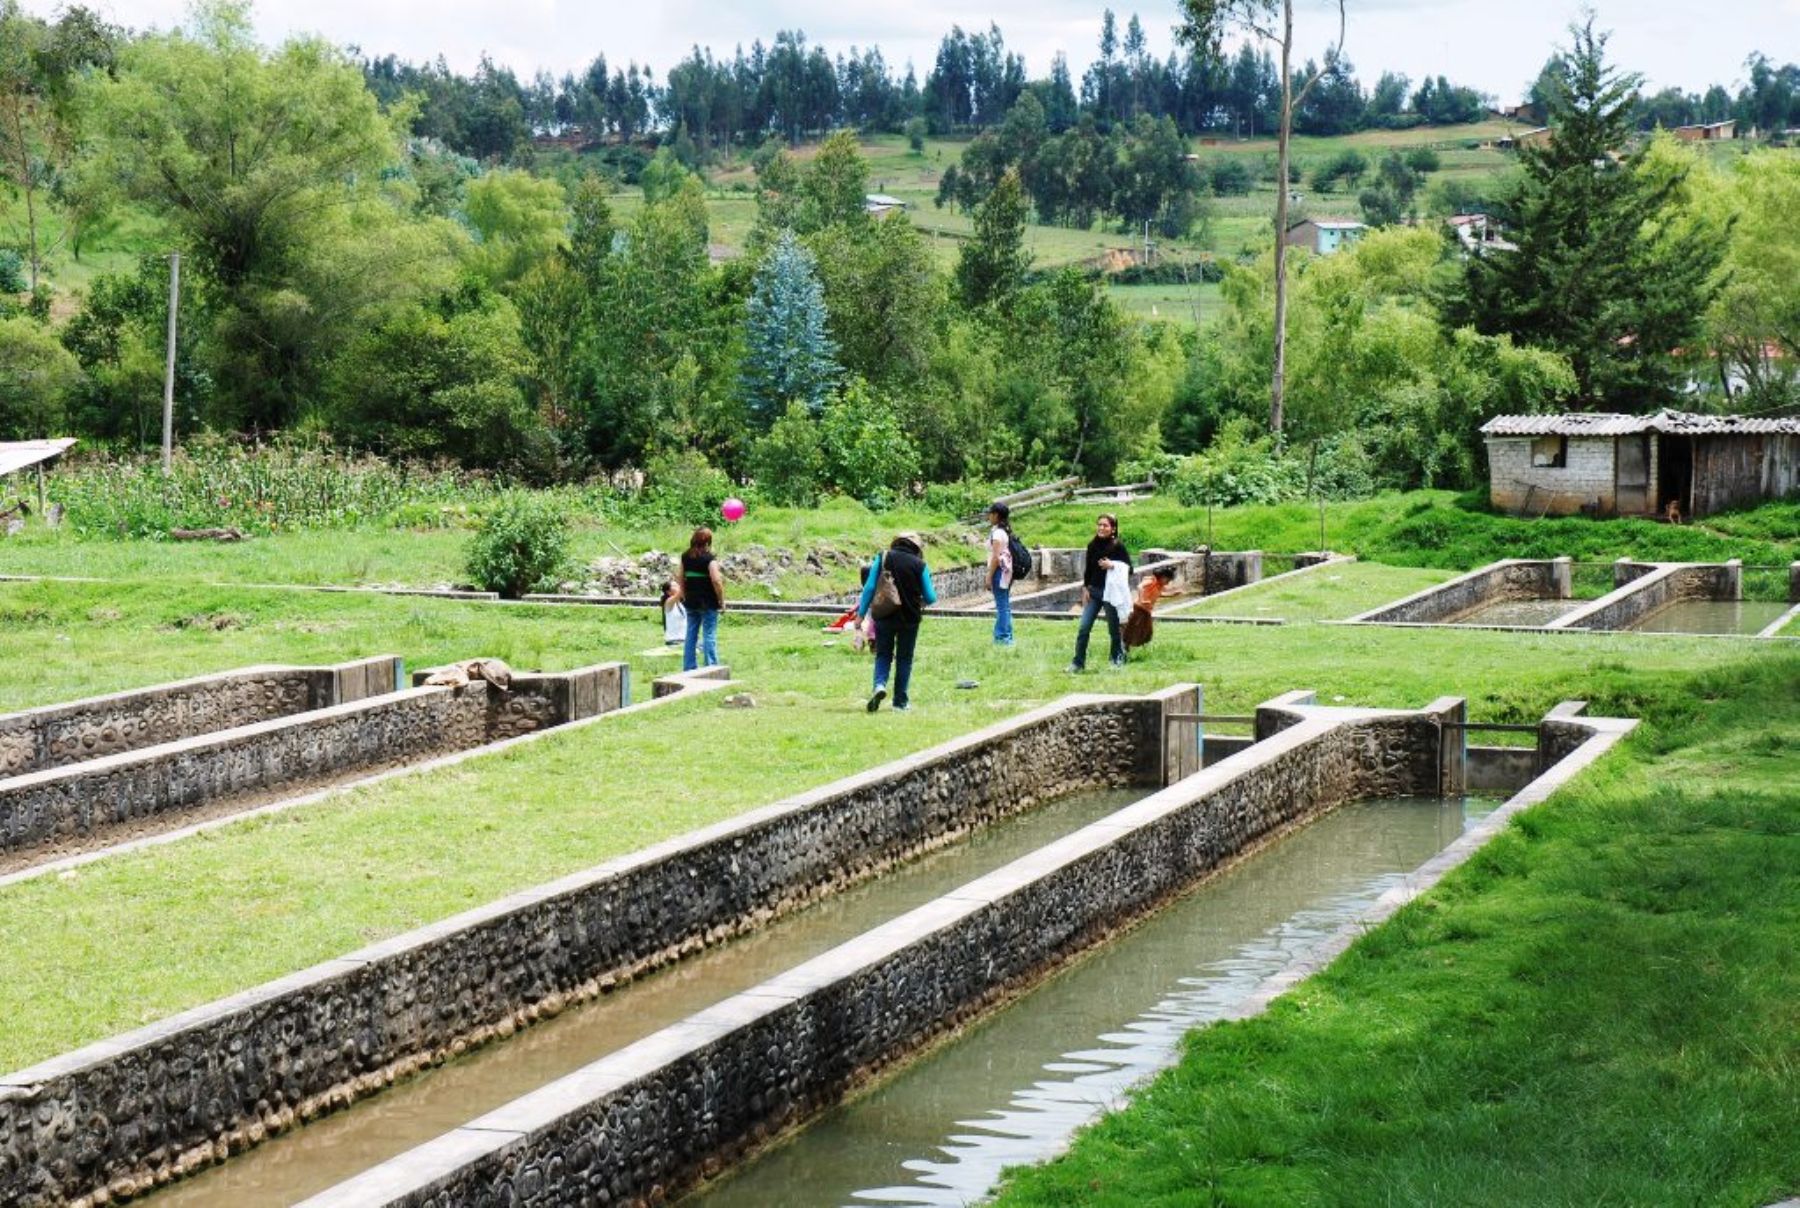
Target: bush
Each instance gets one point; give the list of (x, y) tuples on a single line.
[(684, 487), (868, 455), (1229, 176), (1238, 469), (916, 129), (787, 461), (38, 376), (12, 271), (521, 545), (1346, 167), (1423, 160)]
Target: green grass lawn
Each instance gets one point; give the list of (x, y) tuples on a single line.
[(1600, 1007), (129, 940), (1419, 528)]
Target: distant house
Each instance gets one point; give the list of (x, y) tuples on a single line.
[(881, 203), (1637, 465), (1324, 235), (1525, 138), (1478, 232), (1706, 132)]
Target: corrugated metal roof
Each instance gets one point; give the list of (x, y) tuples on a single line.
[(16, 455), (1670, 423)]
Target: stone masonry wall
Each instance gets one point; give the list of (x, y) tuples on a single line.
[(60, 735), (644, 1123), (50, 813), (1645, 593), (140, 1109), (1511, 579)]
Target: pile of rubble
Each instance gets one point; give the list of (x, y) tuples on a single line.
[(645, 574)]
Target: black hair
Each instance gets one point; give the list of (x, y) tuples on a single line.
[(1001, 513)]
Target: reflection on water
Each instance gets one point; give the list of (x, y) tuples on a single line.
[(1712, 616), (1013, 1089), (1519, 612), (304, 1162)]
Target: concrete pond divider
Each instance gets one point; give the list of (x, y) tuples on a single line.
[(59, 810), (124, 1115), (1644, 587), (1239, 576), (648, 1122), (1507, 579), (54, 736)]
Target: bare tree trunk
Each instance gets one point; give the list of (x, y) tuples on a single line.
[(1278, 382)]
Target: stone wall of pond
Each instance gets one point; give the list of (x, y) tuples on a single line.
[(1511, 579), (59, 735), (643, 1124), (62, 810), (1644, 591), (146, 1107)]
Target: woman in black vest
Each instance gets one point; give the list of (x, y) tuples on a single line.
[(896, 621), (702, 590)]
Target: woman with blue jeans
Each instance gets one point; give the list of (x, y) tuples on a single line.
[(897, 633), (1103, 552), (702, 591), (1000, 572)]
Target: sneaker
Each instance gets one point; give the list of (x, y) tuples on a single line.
[(1075, 669), (906, 708), (875, 701), (1118, 664)]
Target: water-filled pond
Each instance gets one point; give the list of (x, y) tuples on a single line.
[(1712, 616)]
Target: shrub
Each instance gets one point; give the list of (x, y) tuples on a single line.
[(787, 461), (37, 378), (12, 271), (1229, 176), (1423, 160), (521, 545), (684, 487), (916, 129), (1346, 167), (868, 455)]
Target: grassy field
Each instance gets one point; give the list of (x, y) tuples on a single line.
[(136, 938), (1598, 1008), (1420, 528)]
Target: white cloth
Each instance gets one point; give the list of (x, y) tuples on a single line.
[(675, 623), (1118, 588)]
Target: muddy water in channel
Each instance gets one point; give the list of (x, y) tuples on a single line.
[(1519, 612), (1712, 616), (328, 1151), (1012, 1089)]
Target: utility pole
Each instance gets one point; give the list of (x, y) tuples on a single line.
[(169, 371)]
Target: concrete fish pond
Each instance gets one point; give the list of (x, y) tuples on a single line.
[(125, 1115), (655, 1117), (1645, 597), (98, 772)]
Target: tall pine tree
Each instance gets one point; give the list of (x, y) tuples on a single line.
[(789, 356), (1605, 272)]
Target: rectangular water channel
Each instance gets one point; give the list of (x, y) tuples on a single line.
[(289, 1168), (1013, 1088), (1712, 616)]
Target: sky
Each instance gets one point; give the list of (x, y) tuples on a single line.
[(1495, 48)]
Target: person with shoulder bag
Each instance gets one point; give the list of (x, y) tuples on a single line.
[(895, 595)]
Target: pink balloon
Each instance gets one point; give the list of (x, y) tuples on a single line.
[(733, 510)]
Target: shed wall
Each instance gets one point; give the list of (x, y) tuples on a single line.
[(1518, 486)]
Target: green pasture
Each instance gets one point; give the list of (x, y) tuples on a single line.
[(130, 939)]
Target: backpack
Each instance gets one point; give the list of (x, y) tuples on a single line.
[(886, 600), (1021, 557)]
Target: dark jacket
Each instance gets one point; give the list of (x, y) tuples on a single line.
[(1092, 577), (911, 576)]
